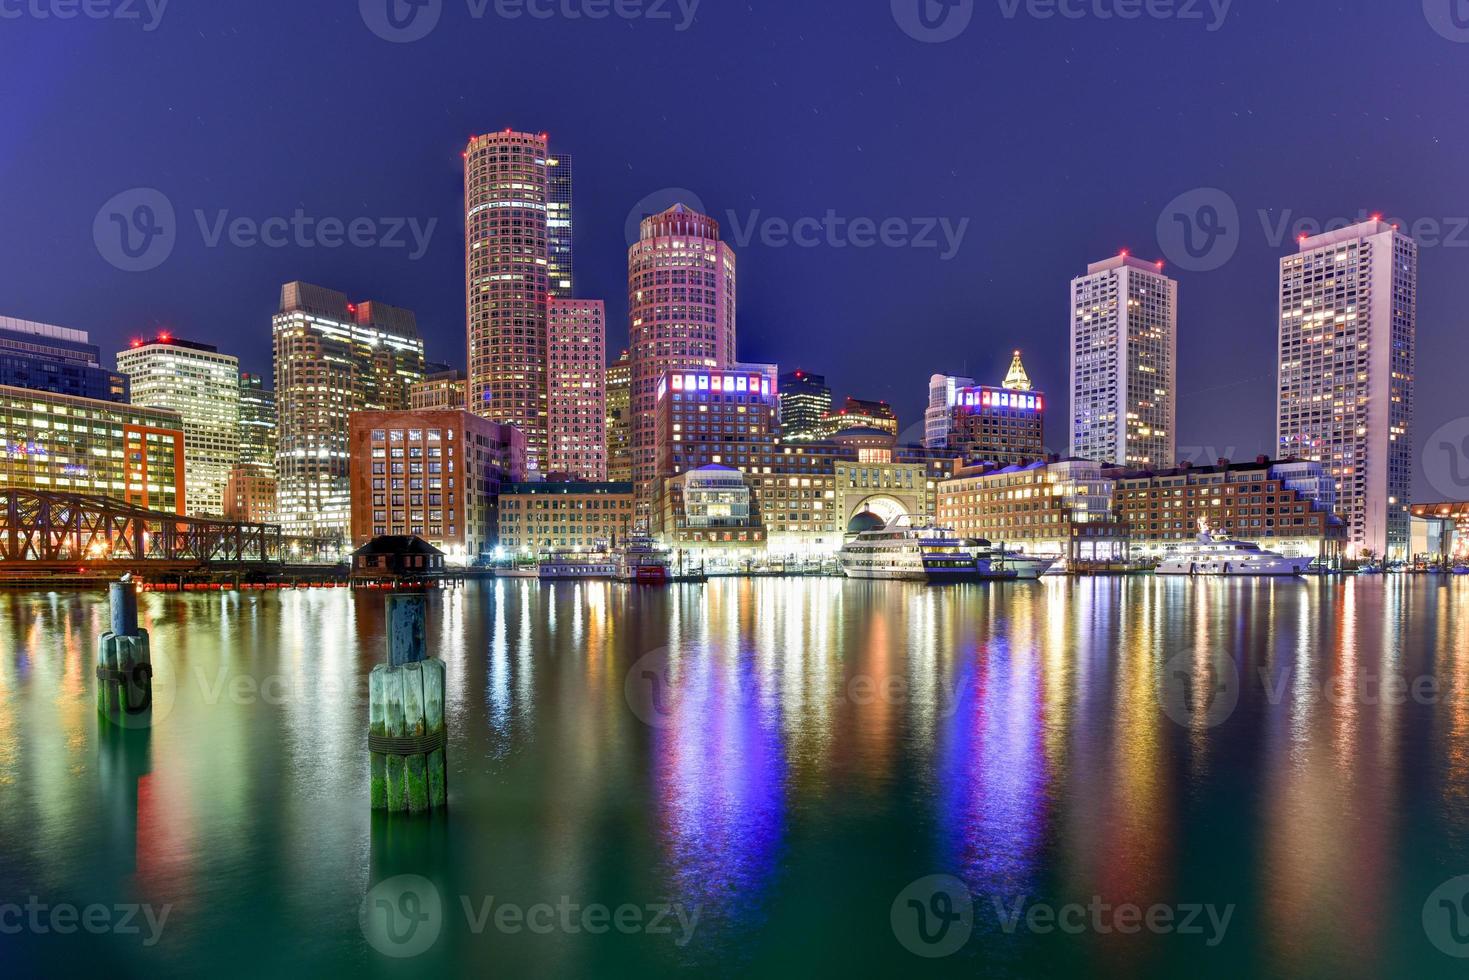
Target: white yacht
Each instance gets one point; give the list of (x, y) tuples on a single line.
[(1217, 556), (918, 553), (1024, 566)]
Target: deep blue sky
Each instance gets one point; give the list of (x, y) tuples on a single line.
[(1060, 140)]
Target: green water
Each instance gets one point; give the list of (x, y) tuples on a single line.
[(783, 763)]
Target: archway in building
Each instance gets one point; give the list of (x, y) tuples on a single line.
[(886, 507)]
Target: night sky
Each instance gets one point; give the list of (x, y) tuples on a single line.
[(1059, 141)]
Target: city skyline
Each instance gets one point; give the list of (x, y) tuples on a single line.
[(823, 309)]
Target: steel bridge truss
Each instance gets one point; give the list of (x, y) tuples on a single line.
[(48, 526)]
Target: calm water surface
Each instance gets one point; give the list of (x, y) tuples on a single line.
[(783, 759)]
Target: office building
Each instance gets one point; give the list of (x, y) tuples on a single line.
[(805, 400), (619, 419), (1063, 508), (681, 304), (250, 492), (560, 281), (544, 518), (92, 447), (726, 418), (507, 281), (857, 413), (439, 391), (1001, 425), (433, 474), (203, 387), (709, 512), (936, 418), (332, 358), (1348, 325), (1124, 342), (576, 342), (43, 357)]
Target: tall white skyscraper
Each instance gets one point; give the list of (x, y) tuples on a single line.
[(1348, 319), (203, 386), (941, 391), (1124, 363)]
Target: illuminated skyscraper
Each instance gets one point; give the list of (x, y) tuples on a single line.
[(43, 357), (941, 391), (1004, 425), (203, 386), (1348, 338), (250, 494), (577, 393), (1124, 340), (332, 358), (681, 304), (805, 400), (619, 420), (559, 253), (507, 281)]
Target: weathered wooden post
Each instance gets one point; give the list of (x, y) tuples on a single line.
[(124, 664), (407, 734)]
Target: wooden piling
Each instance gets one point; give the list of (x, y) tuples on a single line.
[(393, 695), (433, 710), (107, 703), (378, 717), (406, 731), (407, 629), (415, 767)]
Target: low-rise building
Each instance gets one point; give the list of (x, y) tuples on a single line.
[(710, 512), (436, 475), (1061, 508), (1267, 503), (540, 518), (91, 446)]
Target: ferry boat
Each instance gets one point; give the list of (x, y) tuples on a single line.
[(1217, 556), (642, 562), (1027, 567), (556, 568), (914, 553)]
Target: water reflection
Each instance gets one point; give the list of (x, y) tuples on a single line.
[(1011, 736)]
